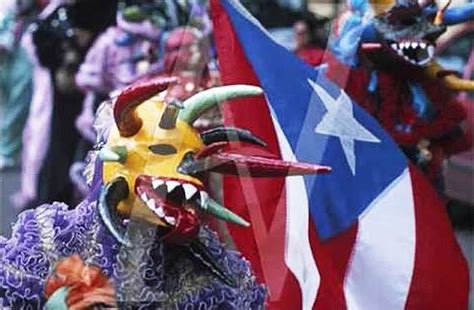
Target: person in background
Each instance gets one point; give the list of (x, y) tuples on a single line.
[(57, 43), (309, 36), (15, 79), (148, 40), (122, 54)]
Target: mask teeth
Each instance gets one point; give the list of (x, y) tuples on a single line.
[(158, 210), (406, 49), (175, 191), (440, 14)]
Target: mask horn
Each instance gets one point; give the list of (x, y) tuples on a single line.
[(110, 196), (440, 15), (254, 166), (198, 104), (127, 120), (170, 115)]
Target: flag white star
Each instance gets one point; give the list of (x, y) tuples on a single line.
[(339, 122)]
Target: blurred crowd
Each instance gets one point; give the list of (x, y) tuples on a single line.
[(61, 59)]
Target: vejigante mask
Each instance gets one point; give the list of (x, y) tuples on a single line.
[(155, 163)]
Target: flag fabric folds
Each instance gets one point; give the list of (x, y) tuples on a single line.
[(372, 234)]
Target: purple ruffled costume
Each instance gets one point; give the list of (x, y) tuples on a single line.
[(151, 274)]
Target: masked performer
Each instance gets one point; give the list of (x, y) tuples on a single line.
[(120, 56), (15, 80), (58, 42), (140, 236), (130, 51), (390, 70)]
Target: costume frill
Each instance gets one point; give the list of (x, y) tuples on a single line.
[(148, 275)]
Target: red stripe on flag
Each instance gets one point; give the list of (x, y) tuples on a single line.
[(441, 276), (333, 257), (262, 201), (263, 243)]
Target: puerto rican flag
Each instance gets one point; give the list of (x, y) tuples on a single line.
[(372, 234)]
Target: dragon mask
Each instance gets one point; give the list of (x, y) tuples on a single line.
[(155, 162), (409, 33)]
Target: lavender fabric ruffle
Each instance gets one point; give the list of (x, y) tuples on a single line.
[(149, 275)]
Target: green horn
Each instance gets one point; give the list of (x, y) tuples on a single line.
[(198, 104), (223, 213), (113, 154)]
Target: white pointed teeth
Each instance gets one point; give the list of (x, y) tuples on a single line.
[(157, 183), (189, 190), (415, 52), (151, 204), (177, 192), (171, 185), (170, 220), (144, 197), (160, 212)]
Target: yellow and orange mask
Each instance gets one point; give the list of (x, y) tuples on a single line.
[(155, 161)]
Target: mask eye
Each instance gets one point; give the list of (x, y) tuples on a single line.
[(163, 149)]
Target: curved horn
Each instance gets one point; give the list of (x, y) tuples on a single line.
[(449, 78), (127, 120), (170, 114), (440, 14), (221, 212), (113, 154), (254, 166), (198, 104), (455, 83), (221, 134), (111, 195)]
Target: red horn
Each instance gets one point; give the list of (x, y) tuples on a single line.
[(254, 166), (127, 120)]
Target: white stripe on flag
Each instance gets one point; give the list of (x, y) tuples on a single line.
[(381, 268), (298, 255)]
